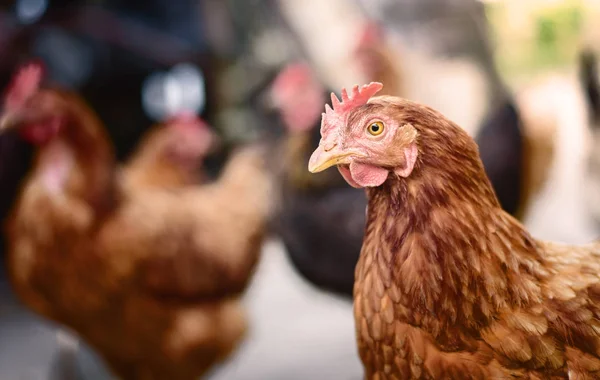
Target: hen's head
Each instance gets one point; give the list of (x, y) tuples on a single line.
[(181, 141), (36, 113), (298, 96), (370, 138), (189, 138), (368, 50)]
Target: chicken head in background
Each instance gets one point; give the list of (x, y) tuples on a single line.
[(320, 219), (298, 95), (448, 283), (170, 155), (590, 80), (66, 133), (377, 61)]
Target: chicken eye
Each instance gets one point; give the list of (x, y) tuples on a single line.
[(375, 128)]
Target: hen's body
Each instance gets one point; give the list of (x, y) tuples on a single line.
[(145, 274), (448, 285), (149, 287)]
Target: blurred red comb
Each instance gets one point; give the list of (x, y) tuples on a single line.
[(371, 34), (25, 83), (333, 117), (186, 120), (292, 75)]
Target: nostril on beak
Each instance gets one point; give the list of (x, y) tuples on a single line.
[(329, 146)]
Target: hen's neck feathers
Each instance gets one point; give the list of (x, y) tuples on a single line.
[(443, 240), (85, 134)]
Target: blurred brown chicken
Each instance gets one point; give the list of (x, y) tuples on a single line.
[(149, 278), (448, 285), (170, 155)]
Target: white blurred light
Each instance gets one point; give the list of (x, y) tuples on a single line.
[(29, 11), (192, 86), (167, 94), (153, 97)]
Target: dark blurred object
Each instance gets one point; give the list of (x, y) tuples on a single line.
[(590, 82), (588, 76), (501, 146), (15, 160)]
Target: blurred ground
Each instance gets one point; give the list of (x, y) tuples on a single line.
[(297, 331)]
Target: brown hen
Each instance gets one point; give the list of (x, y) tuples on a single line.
[(149, 278), (448, 285), (170, 155)]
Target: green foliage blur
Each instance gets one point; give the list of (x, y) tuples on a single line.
[(548, 40)]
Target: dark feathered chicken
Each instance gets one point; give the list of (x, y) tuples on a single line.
[(320, 219), (501, 146), (591, 85)]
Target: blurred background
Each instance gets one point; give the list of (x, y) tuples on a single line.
[(137, 62)]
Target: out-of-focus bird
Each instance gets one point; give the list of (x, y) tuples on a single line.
[(149, 279), (448, 284), (170, 155), (588, 72), (320, 218)]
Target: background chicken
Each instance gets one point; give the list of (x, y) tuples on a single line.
[(320, 219), (141, 277), (171, 154), (590, 82), (448, 283)]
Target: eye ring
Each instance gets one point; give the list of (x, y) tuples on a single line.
[(375, 128)]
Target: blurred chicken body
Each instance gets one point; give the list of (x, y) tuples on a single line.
[(170, 155), (449, 285), (142, 276)]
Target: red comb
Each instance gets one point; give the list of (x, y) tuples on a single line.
[(337, 116), (292, 75), (24, 84), (371, 34)]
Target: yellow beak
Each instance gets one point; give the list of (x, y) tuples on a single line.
[(7, 121), (321, 159)]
